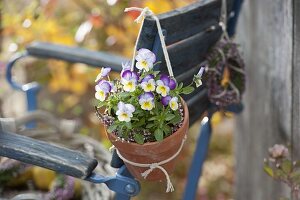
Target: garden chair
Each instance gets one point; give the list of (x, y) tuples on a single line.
[(189, 33)]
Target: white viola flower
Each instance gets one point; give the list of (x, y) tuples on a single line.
[(102, 89), (146, 101), (145, 59), (129, 80), (148, 86), (173, 103), (129, 86), (161, 88), (125, 111), (100, 94)]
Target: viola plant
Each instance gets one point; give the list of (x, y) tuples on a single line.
[(282, 168), (143, 105)]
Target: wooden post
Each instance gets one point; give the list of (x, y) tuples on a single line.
[(265, 32), (296, 81)]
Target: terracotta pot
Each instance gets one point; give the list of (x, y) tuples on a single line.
[(153, 152)]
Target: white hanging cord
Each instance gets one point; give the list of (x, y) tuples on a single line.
[(153, 166), (146, 12), (223, 19)]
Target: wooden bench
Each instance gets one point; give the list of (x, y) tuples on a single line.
[(189, 35)]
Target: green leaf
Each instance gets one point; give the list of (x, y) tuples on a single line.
[(176, 119), (139, 123), (159, 135), (101, 104), (152, 119), (128, 125), (167, 129), (269, 170), (150, 125), (112, 127), (124, 94), (187, 90), (138, 111), (180, 86), (155, 73), (135, 119), (139, 138), (169, 117), (286, 166)]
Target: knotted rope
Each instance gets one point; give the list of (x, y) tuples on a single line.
[(153, 166), (146, 12)]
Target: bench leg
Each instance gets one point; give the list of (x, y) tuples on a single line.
[(198, 160)]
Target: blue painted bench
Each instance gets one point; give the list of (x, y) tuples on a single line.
[(189, 35)]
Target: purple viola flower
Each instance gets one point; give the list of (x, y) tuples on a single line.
[(129, 80), (165, 100), (105, 86), (165, 79), (165, 84), (171, 83), (146, 101), (104, 72), (145, 59), (129, 75), (147, 95), (148, 77), (125, 66)]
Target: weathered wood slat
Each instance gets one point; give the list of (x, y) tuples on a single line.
[(198, 104), (183, 22), (189, 53), (296, 81), (31, 151), (75, 55)]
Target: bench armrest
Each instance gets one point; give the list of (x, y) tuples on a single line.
[(50, 156), (75, 55)]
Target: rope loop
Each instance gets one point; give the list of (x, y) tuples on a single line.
[(146, 12)]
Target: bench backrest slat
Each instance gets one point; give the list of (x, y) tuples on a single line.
[(188, 38)]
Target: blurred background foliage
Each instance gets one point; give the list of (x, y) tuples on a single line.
[(68, 89)]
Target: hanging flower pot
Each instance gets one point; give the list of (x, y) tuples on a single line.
[(153, 152)]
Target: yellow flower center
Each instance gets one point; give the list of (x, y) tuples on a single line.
[(129, 84), (101, 93), (144, 63), (124, 115), (149, 86), (147, 104)]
